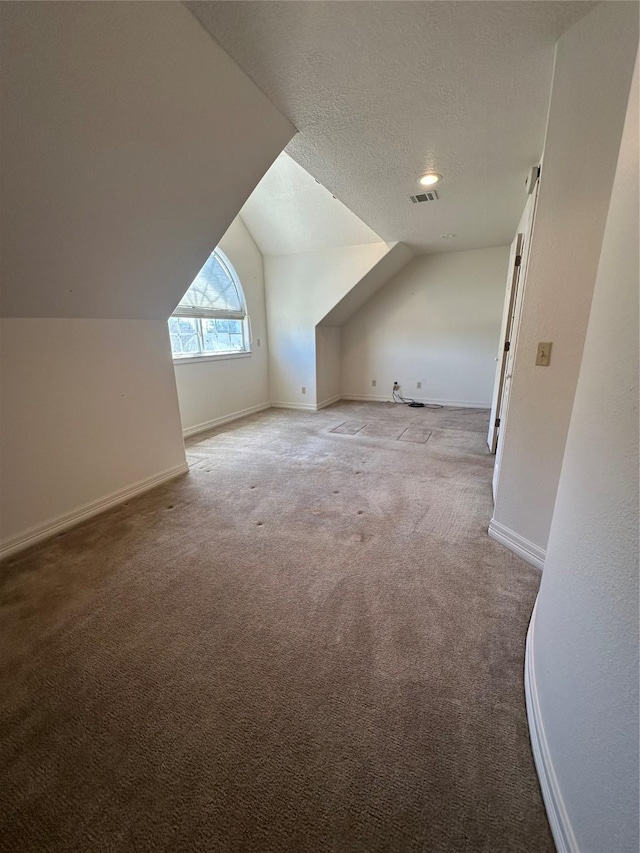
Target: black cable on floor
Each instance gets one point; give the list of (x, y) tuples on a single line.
[(414, 404)]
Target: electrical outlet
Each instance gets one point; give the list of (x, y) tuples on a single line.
[(373, 383), (396, 386), (304, 389), (418, 384), (258, 342)]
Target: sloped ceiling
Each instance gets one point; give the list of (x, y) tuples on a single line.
[(130, 141), (289, 211), (371, 282), (382, 92)]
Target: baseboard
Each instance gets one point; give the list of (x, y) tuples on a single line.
[(75, 516), (224, 419), (373, 398), (458, 404), (328, 402), (305, 407), (368, 398), (518, 544), (556, 812)]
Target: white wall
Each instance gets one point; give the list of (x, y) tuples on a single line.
[(594, 63), (328, 346), (437, 321), (130, 140), (211, 391), (585, 639), (88, 407), (301, 289)]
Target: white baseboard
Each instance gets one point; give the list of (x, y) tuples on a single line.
[(75, 516), (368, 398), (458, 404), (224, 419), (328, 402), (556, 812), (373, 398), (518, 544), (305, 407)]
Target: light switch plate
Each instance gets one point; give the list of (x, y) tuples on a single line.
[(543, 356)]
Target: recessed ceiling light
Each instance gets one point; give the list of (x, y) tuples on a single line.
[(429, 179), (447, 236)]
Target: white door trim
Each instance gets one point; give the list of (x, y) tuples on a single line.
[(513, 277)]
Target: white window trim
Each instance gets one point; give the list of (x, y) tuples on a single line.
[(209, 356)]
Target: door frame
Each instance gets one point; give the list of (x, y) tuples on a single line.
[(527, 222), (508, 319)]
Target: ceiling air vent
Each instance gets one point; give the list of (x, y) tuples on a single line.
[(432, 195)]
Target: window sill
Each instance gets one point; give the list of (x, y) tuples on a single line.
[(220, 356)]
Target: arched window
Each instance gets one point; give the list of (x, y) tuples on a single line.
[(211, 318)]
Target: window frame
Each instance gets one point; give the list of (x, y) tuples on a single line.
[(213, 314)]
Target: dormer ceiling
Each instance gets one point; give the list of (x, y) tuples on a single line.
[(290, 212), (383, 92)]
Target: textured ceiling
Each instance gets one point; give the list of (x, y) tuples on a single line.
[(289, 211), (383, 91)]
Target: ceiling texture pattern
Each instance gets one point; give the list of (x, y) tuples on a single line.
[(382, 92), (290, 212)]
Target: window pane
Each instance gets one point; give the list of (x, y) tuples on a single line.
[(214, 287), (210, 336), (175, 337), (189, 344), (217, 335), (185, 325), (184, 336)]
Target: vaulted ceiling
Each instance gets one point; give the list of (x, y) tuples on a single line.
[(382, 92), (290, 212)]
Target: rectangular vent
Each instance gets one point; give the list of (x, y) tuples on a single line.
[(432, 195)]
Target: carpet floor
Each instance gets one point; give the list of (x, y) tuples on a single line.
[(306, 644)]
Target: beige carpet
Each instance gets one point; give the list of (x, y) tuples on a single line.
[(308, 643)]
